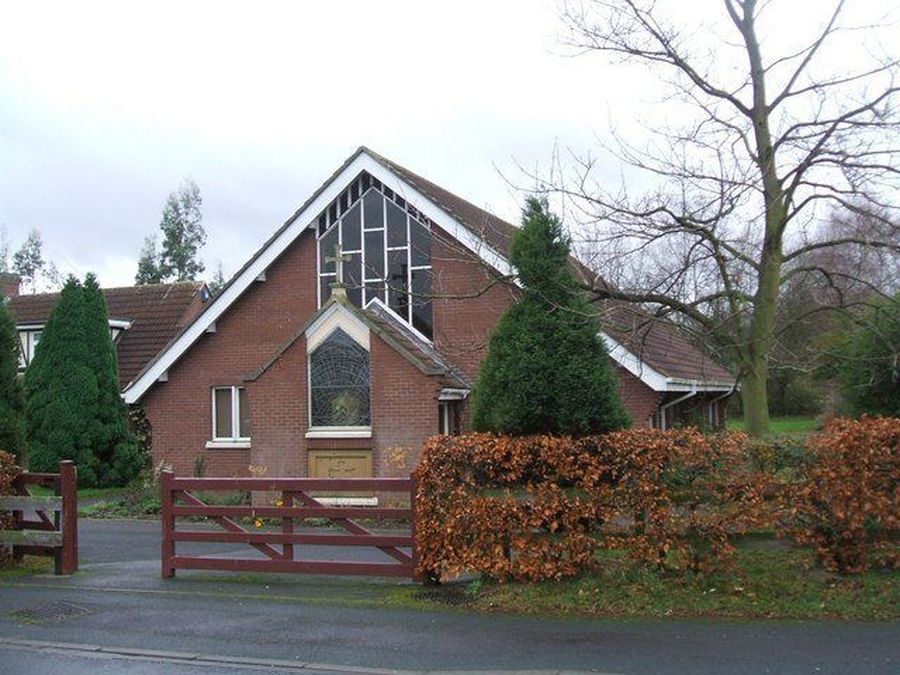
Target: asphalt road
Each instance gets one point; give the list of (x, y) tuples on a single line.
[(119, 603)]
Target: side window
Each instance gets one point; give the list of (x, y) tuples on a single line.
[(230, 414), (448, 418)]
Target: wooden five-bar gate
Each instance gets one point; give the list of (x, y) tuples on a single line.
[(45, 525), (271, 529)]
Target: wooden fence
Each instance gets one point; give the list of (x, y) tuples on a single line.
[(292, 504), (55, 529)]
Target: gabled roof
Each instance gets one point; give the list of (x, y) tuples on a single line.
[(655, 342), (662, 350), (496, 232), (157, 312), (398, 333), (390, 328), (481, 232)]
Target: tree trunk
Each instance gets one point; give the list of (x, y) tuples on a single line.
[(755, 400)]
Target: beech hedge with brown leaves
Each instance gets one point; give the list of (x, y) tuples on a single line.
[(539, 507), (9, 471), (846, 503)]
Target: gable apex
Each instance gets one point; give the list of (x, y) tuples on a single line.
[(301, 220), (333, 316)]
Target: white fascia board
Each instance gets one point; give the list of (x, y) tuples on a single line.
[(444, 220), (652, 378), (295, 227), (122, 324), (336, 316), (675, 384), (655, 379)]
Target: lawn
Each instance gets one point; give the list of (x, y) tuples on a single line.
[(766, 582), (792, 425), (83, 493)]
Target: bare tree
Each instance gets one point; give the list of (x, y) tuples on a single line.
[(773, 144)]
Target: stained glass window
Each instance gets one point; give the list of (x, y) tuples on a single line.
[(389, 242), (339, 383)]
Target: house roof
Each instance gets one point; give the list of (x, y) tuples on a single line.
[(496, 232), (157, 313), (486, 235), (659, 344), (398, 333), (656, 342), (388, 326)]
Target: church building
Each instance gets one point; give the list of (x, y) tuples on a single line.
[(356, 332)]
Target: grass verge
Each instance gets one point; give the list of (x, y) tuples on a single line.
[(83, 493), (765, 583), (30, 565), (792, 425)]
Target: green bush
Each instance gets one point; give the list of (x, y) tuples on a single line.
[(73, 403), (547, 369), (868, 364), (117, 454), (12, 400)]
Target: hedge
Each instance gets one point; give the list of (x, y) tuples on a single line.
[(846, 501), (9, 471), (539, 507)]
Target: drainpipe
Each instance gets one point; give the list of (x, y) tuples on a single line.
[(725, 395), (663, 408)]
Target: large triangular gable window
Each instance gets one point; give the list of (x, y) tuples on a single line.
[(388, 247)]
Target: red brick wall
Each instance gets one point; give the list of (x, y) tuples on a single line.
[(470, 302), (639, 400), (246, 336), (404, 410)]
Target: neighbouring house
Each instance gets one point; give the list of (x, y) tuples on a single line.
[(356, 332), (142, 319)]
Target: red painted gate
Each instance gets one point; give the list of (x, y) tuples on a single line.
[(292, 503)]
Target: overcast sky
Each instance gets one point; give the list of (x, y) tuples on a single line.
[(106, 107)]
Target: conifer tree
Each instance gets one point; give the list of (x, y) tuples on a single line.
[(115, 451), (547, 368), (61, 390), (12, 401)]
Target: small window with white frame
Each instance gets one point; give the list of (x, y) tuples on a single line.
[(230, 414), (28, 342)]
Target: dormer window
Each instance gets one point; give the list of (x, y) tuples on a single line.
[(388, 244), (30, 335), (28, 342)]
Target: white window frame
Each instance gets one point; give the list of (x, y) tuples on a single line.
[(384, 298), (317, 333), (28, 346), (235, 440)]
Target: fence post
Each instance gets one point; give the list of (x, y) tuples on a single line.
[(287, 524), (413, 525), (66, 557), (168, 523)]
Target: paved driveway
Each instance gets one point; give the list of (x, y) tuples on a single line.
[(117, 606)]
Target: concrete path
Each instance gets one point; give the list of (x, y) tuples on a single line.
[(117, 614)]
